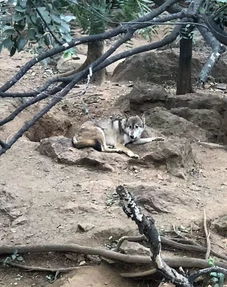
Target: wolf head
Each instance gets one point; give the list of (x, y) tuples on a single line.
[(134, 127)]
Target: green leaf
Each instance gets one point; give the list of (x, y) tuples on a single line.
[(8, 43), (55, 18), (18, 17), (45, 14), (8, 30), (21, 42), (67, 18), (211, 261), (20, 9)]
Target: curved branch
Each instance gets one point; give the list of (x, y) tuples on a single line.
[(145, 48), (96, 66), (102, 36), (18, 95), (173, 261), (30, 102), (146, 226), (59, 96)]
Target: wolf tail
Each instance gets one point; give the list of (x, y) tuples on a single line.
[(87, 143)]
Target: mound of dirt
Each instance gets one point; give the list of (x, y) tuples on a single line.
[(161, 67), (49, 125)]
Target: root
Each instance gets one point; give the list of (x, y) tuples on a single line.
[(171, 243), (40, 268), (213, 145), (173, 261)]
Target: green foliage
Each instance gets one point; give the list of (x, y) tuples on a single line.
[(217, 9), (216, 278), (95, 16), (21, 23), (45, 23), (92, 15)]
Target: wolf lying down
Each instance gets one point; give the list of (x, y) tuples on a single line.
[(112, 135)]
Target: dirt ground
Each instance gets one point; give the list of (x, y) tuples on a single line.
[(43, 201)]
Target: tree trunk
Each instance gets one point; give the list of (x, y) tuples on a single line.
[(95, 50), (184, 83)]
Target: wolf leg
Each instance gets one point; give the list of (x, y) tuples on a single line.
[(147, 140), (126, 150)]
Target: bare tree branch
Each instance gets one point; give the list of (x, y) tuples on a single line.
[(141, 22), (97, 65), (174, 261), (146, 226), (217, 50)]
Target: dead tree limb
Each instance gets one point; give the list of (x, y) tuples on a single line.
[(171, 243), (173, 261), (40, 268), (207, 234), (217, 50), (146, 226)]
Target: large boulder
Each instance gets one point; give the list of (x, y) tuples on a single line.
[(175, 155), (197, 115), (173, 125), (60, 148), (209, 120), (161, 67), (144, 96)]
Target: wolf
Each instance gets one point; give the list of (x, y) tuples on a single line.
[(113, 134)]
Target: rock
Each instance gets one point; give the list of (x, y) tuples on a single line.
[(113, 232), (149, 67), (49, 125), (134, 248), (204, 113), (70, 63), (174, 153), (60, 149), (153, 197), (209, 120), (220, 225), (84, 227), (221, 86), (20, 220), (172, 125), (145, 96)]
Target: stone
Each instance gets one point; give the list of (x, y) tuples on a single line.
[(172, 125), (153, 198), (84, 227), (70, 63), (161, 67), (134, 248), (209, 120), (220, 224), (175, 154), (60, 149)]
